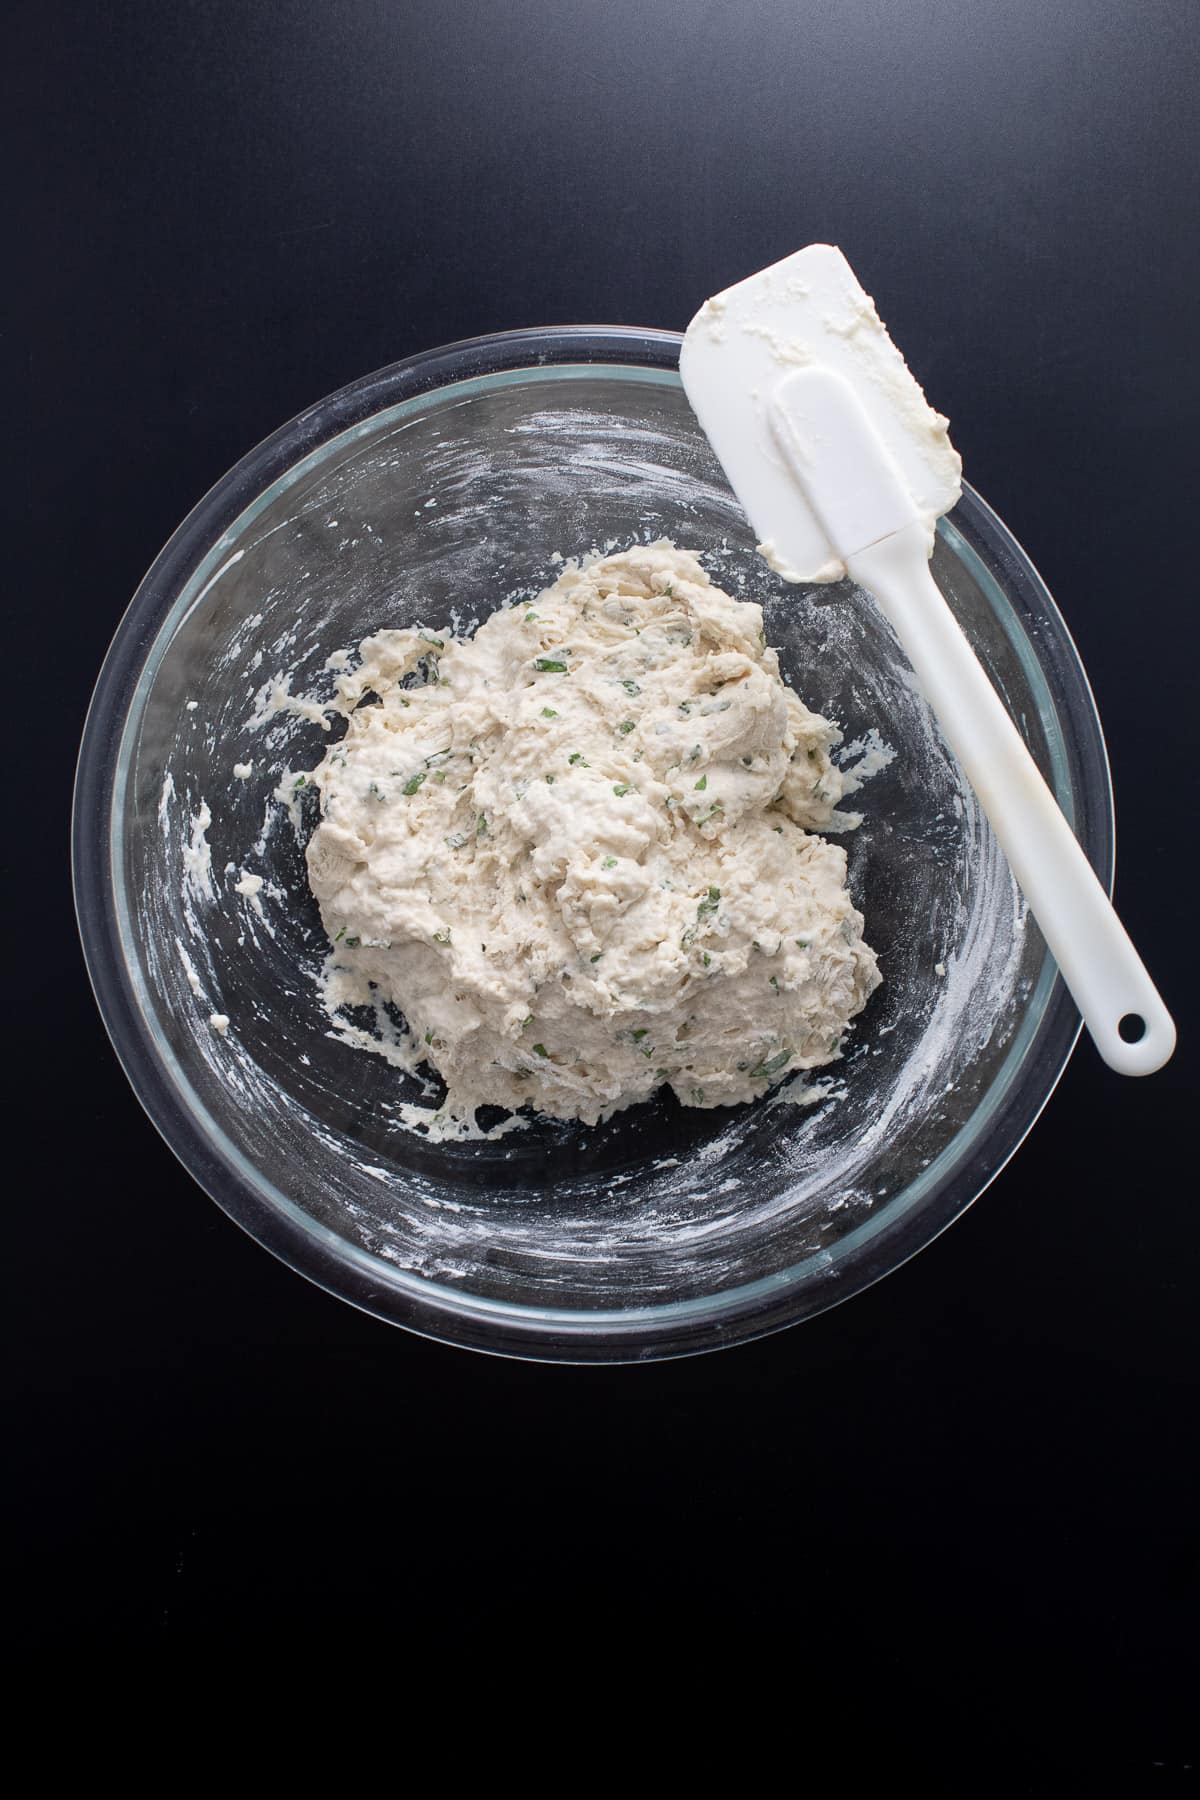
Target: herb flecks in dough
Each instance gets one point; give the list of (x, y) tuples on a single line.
[(625, 898)]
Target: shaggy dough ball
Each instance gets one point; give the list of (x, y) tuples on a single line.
[(579, 856)]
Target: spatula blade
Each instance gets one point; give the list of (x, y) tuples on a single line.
[(804, 312)]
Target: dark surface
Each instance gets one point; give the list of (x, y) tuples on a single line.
[(982, 1471)]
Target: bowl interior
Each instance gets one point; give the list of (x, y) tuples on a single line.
[(440, 508)]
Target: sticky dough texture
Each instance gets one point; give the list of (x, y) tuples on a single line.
[(579, 884)]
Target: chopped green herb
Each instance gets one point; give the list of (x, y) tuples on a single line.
[(352, 943), (429, 1035), (702, 784), (698, 1095), (441, 937), (610, 862), (341, 934), (578, 757), (637, 1036), (413, 783), (427, 637), (803, 944), (706, 959), (526, 1021), (685, 707), (621, 788), (546, 665), (631, 687), (300, 781), (597, 956), (456, 840), (772, 1066), (774, 982), (548, 712), (549, 781), (540, 1050), (532, 618), (377, 793), (626, 726), (481, 825)]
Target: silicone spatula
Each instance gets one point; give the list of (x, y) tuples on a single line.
[(844, 469)]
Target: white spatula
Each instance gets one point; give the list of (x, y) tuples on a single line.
[(844, 468)]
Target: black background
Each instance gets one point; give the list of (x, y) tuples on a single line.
[(982, 1471)]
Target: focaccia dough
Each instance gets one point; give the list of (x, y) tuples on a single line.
[(579, 855)]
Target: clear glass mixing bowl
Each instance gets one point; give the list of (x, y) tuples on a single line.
[(440, 488)]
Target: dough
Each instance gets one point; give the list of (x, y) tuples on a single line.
[(579, 856)]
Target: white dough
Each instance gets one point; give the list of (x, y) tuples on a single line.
[(579, 859)]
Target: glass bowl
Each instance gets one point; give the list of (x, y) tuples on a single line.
[(438, 489)]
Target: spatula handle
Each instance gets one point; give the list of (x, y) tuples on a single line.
[(1087, 940)]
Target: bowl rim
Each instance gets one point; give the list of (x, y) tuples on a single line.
[(449, 1315)]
